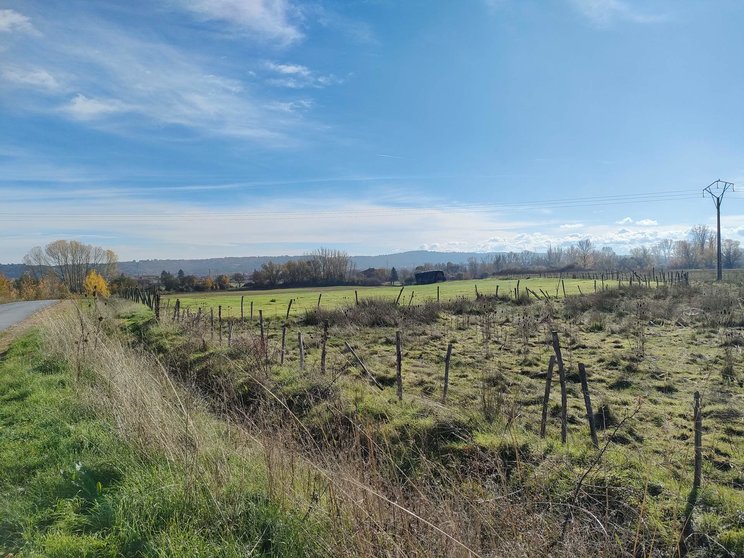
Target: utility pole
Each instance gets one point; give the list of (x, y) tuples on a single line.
[(721, 187)]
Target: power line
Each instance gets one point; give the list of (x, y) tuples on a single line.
[(590, 201)]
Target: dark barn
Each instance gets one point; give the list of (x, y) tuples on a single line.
[(428, 277)]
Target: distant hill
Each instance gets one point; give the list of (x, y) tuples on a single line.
[(248, 264), (12, 271)]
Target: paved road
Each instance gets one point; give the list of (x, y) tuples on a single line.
[(14, 312)]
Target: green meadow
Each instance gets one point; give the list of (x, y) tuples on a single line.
[(274, 302)]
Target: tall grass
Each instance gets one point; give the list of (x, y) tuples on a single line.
[(319, 478)]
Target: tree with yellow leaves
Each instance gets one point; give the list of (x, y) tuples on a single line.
[(96, 285)]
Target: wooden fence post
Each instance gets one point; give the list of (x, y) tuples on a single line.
[(356, 297), (399, 366), (264, 350), (319, 297), (284, 340), (219, 321), (446, 372), (301, 344), (211, 322), (588, 404), (251, 310), (323, 348), (564, 395), (289, 307), (698, 417), (410, 300), (546, 397), (437, 293), (397, 300), (241, 307)]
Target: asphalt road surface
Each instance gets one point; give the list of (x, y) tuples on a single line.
[(15, 312)]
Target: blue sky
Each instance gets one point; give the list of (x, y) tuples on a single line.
[(207, 128)]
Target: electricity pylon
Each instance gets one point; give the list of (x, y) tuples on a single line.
[(720, 186)]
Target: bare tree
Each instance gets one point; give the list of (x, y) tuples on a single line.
[(731, 253), (699, 235), (663, 251), (685, 254), (585, 251), (71, 261)]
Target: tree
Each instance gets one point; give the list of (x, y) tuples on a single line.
[(585, 251), (122, 283), (70, 261), (223, 282), (731, 253), (95, 285), (685, 254), (7, 291), (168, 282), (393, 275), (663, 251)]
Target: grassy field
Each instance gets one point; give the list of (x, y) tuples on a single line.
[(646, 352), (346, 468), (274, 302), (78, 481)]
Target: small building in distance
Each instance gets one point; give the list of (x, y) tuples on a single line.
[(428, 277)]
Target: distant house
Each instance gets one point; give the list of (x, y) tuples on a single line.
[(428, 277)]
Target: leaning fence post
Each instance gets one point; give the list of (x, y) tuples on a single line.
[(397, 300), (399, 366), (446, 372), (289, 307), (698, 417), (546, 397), (564, 395), (588, 404)]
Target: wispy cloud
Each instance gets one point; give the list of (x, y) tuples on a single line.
[(272, 19), (35, 78), (604, 12), (117, 81), (296, 76), (12, 21), (83, 108)]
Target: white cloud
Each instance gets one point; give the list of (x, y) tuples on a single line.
[(289, 69), (603, 12), (296, 76), (571, 226), (35, 78), (267, 18), (84, 108), (624, 221), (109, 72), (647, 223), (11, 21)]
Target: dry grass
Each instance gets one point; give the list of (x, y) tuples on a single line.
[(342, 474)]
